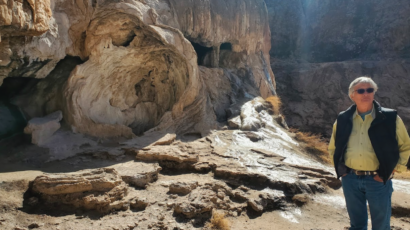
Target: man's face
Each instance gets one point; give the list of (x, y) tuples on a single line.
[(365, 99)]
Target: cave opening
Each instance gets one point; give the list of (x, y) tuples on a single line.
[(12, 120), (226, 46), (202, 53)]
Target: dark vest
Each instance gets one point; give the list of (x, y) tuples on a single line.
[(382, 135)]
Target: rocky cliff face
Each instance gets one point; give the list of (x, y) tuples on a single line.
[(120, 68), (318, 48)]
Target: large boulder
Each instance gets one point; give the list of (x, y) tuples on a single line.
[(100, 189)]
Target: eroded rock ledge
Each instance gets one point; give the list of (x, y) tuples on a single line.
[(189, 179)]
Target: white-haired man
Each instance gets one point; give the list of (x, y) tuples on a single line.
[(369, 143)]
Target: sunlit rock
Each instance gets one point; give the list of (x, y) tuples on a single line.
[(137, 173), (182, 188), (100, 189), (41, 129)]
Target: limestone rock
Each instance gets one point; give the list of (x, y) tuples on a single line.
[(205, 198), (300, 199), (235, 123), (179, 155), (24, 19), (139, 204), (100, 189), (41, 129), (137, 173), (182, 188), (257, 205), (253, 115), (170, 153), (166, 140), (140, 67)]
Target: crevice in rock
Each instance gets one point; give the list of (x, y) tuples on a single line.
[(203, 54), (226, 46)]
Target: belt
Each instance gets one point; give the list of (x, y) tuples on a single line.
[(364, 173)]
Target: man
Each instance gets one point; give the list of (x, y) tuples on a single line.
[(369, 143)]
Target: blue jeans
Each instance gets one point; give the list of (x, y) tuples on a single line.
[(358, 190)]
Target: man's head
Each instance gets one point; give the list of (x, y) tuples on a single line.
[(362, 91)]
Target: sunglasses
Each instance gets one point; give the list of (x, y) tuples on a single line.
[(368, 90)]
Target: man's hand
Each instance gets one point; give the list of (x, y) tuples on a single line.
[(377, 178)]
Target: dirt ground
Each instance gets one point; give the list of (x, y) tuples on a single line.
[(323, 211)]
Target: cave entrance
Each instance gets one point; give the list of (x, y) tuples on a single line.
[(226, 46), (225, 56), (203, 54), (12, 120)]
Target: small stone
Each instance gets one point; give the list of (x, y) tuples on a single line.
[(34, 225), (300, 199)]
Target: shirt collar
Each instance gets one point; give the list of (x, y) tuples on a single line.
[(373, 113)]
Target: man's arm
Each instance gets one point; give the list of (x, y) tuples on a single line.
[(332, 147), (403, 140)]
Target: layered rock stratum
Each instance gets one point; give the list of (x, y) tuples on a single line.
[(318, 48)]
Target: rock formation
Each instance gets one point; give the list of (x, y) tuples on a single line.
[(43, 128), (318, 48), (100, 189), (179, 183), (141, 62)]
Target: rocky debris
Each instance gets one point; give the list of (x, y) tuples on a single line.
[(267, 200), (253, 136), (100, 189), (250, 114), (33, 225), (281, 120), (328, 177), (179, 155), (253, 115), (41, 129), (235, 122), (170, 153), (205, 198), (239, 175), (300, 199), (166, 140), (139, 204), (182, 188), (137, 173)]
